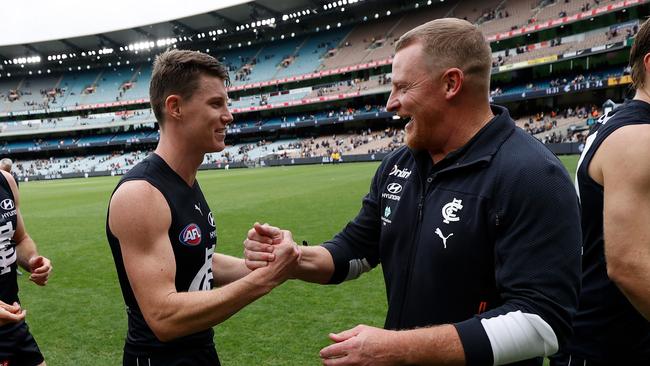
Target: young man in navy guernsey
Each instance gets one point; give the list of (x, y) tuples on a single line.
[(613, 181), (476, 223), (163, 234), (17, 346)]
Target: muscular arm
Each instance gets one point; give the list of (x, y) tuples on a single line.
[(140, 218), (227, 269), (26, 253), (621, 166)]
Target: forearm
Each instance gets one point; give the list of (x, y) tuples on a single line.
[(227, 269), (25, 250), (184, 313), (316, 265), (438, 345), (627, 248), (632, 277)]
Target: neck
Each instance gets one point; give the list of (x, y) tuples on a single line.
[(179, 156), (464, 121), (642, 94)]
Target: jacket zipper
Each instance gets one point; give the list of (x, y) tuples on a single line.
[(413, 250)]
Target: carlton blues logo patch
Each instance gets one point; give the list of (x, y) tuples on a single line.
[(191, 235)]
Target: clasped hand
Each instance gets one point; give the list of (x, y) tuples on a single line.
[(270, 249)]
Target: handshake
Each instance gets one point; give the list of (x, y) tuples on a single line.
[(271, 250)]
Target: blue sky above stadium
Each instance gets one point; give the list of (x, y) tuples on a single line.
[(29, 21)]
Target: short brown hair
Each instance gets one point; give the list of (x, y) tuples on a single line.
[(640, 48), (453, 43), (178, 72)]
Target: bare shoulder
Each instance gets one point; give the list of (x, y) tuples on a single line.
[(138, 209), (624, 154), (12, 184)]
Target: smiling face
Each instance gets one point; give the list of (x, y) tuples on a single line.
[(417, 95), (205, 115)]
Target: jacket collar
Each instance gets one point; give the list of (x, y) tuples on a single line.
[(481, 147)]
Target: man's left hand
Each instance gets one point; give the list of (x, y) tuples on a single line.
[(362, 345), (40, 267)]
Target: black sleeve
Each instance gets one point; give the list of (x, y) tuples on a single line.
[(537, 255), (356, 248)]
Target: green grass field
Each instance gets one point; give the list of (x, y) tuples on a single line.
[(79, 318)]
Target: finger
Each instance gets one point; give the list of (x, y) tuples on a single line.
[(38, 276), (257, 246), (253, 265), (39, 281), (268, 231), (258, 256), (11, 317), (335, 350), (346, 334), (261, 238), (339, 361), (42, 269), (13, 308)]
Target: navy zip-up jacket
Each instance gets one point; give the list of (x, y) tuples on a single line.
[(492, 229)]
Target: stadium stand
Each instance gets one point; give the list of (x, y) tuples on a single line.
[(341, 98)]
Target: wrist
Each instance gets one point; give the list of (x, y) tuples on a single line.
[(402, 353), (258, 283)]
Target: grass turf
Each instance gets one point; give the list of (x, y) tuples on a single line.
[(79, 317)]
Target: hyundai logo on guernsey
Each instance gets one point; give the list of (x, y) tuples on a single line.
[(7, 204), (400, 173), (191, 235), (211, 220), (213, 233)]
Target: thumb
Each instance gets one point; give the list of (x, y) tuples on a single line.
[(268, 231), (346, 334), (35, 262), (286, 236)]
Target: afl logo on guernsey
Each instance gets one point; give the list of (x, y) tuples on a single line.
[(191, 235)]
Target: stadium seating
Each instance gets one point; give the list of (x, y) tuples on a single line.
[(74, 86), (308, 55)]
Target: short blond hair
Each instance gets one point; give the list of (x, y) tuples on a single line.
[(6, 164), (453, 42)]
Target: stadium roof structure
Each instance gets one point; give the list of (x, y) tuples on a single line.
[(212, 19)]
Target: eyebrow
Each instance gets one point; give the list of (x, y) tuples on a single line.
[(218, 98)]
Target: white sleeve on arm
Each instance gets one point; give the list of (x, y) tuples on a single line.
[(357, 268), (517, 336)]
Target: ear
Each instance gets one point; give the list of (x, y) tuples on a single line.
[(173, 106), (452, 80)]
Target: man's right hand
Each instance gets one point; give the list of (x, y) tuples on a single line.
[(11, 313), (286, 258), (265, 244), (260, 245)]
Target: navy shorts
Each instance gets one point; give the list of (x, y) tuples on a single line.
[(18, 347), (189, 357)]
